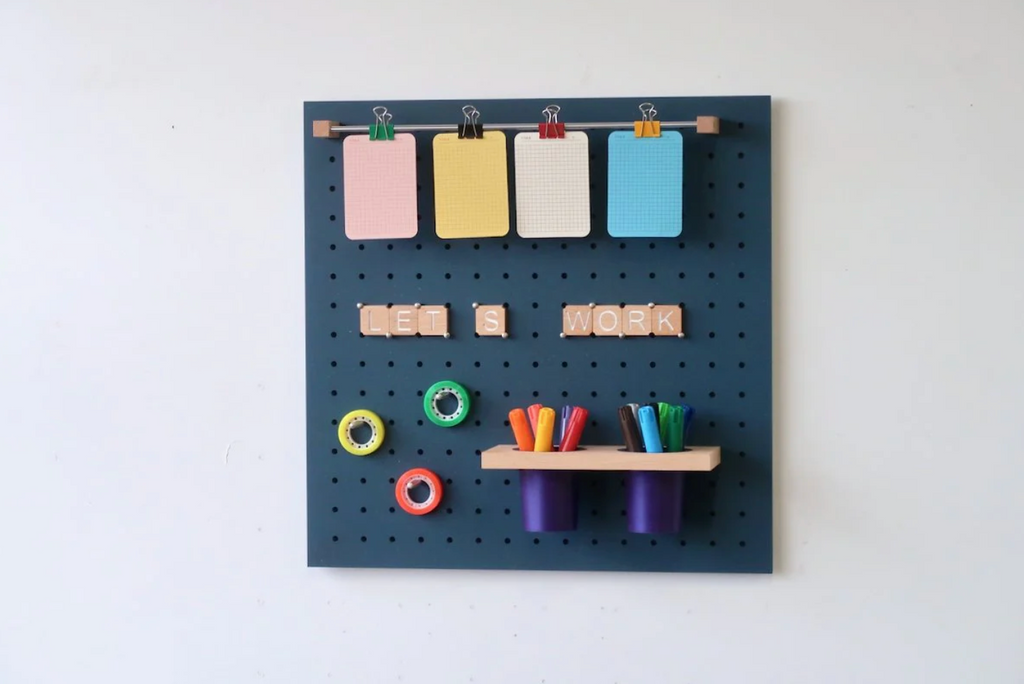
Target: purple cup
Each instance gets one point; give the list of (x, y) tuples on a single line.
[(654, 502), (550, 500)]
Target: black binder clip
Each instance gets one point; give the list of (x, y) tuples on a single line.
[(470, 126)]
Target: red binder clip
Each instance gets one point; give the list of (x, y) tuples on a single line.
[(551, 128)]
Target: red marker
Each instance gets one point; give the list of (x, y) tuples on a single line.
[(571, 437), (533, 412)]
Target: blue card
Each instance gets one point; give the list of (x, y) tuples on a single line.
[(645, 185)]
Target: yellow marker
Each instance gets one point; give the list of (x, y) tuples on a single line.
[(545, 430)]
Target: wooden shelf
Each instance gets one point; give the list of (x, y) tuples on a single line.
[(600, 457)]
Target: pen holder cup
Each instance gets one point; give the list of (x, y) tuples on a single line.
[(550, 500), (654, 502)]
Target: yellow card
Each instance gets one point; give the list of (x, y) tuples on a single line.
[(471, 186)]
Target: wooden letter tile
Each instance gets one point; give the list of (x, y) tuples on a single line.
[(404, 320), (433, 321), (490, 320), (577, 320), (636, 320), (607, 320), (373, 320), (667, 320)]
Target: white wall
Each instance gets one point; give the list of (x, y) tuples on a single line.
[(151, 284)]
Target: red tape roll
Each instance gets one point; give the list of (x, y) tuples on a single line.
[(409, 480)]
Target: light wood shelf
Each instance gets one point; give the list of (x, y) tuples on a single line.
[(600, 457)]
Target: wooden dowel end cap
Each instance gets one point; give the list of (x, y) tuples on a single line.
[(322, 129), (708, 124)]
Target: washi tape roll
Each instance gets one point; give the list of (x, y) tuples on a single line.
[(354, 419), (409, 481), (437, 392)]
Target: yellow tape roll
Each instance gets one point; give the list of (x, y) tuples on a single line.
[(354, 419)]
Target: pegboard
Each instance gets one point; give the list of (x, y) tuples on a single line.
[(719, 269)]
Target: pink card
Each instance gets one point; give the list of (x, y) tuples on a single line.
[(380, 187)]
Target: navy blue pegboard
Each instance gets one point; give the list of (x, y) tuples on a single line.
[(719, 268)]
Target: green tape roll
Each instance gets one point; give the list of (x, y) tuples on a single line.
[(433, 396)]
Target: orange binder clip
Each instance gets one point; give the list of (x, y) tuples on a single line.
[(647, 127)]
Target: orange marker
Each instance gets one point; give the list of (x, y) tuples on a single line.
[(533, 411), (545, 429), (521, 429)]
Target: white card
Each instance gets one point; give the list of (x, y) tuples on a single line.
[(552, 185)]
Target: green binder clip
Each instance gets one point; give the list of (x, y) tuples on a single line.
[(382, 128)]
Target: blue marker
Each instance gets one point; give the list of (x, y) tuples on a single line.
[(649, 430), (687, 417)]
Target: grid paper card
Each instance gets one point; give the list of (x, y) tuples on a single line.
[(380, 187), (645, 185), (471, 186), (552, 185)]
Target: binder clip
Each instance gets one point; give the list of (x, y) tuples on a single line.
[(551, 128), (382, 128), (647, 127), (470, 126)]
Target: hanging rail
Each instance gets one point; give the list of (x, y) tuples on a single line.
[(333, 129)]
